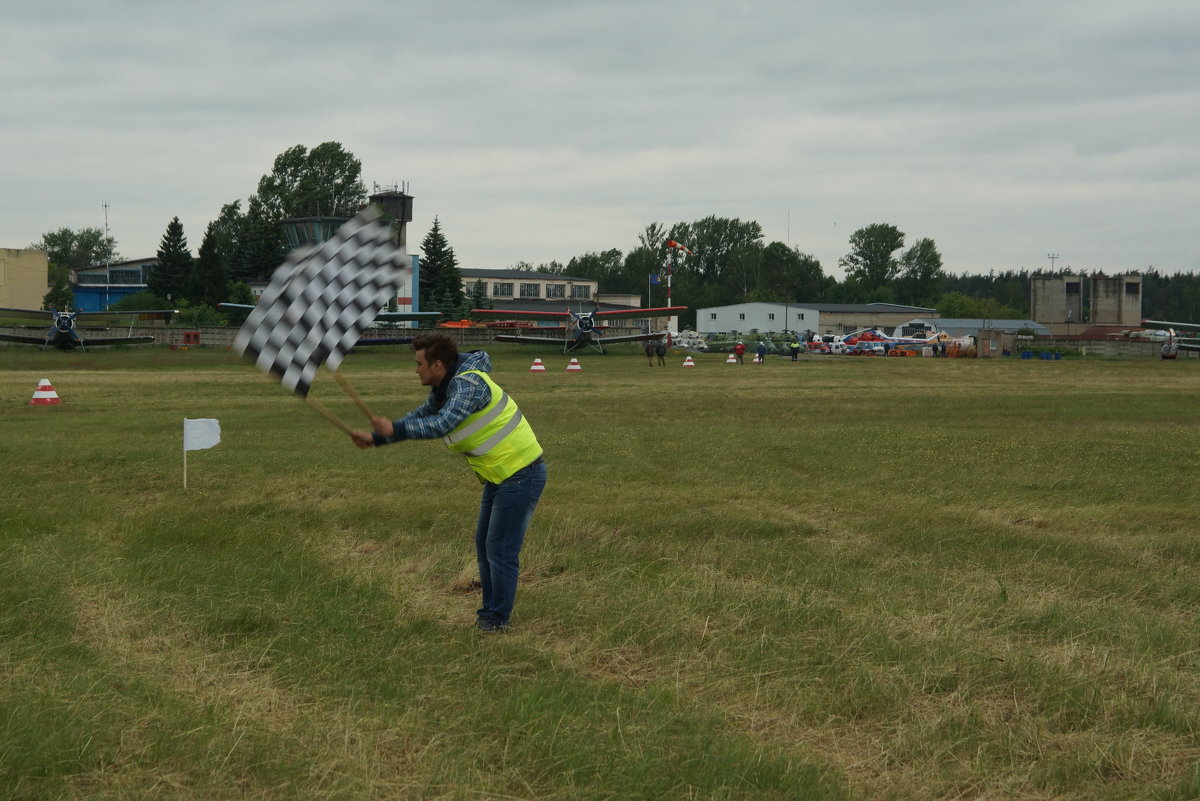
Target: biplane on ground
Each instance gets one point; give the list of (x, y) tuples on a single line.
[(64, 335), (580, 329)]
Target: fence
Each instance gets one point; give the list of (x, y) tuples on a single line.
[(222, 336), (215, 336)]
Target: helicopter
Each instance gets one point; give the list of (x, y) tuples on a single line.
[(1175, 341)]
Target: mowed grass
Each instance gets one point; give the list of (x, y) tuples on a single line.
[(838, 579)]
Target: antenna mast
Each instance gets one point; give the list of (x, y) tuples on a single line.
[(107, 249)]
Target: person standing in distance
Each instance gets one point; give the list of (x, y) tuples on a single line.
[(475, 417)]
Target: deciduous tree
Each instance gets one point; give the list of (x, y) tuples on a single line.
[(871, 260), (795, 276), (325, 181), (921, 273), (68, 249), (261, 247), (59, 296)]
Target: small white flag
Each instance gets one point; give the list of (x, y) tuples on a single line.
[(200, 434)]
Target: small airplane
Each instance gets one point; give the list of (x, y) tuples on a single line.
[(580, 328), (65, 336), (382, 317), (1175, 342)]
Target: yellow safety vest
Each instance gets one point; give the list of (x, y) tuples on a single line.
[(497, 440)]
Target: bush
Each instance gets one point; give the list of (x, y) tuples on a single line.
[(201, 315), (141, 300)]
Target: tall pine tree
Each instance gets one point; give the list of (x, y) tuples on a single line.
[(211, 276), (172, 276), (479, 296), (441, 280)]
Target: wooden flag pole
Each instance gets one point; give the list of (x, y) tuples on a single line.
[(345, 382), (328, 415)]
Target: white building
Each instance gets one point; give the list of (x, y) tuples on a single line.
[(762, 317), (528, 286), (820, 318)]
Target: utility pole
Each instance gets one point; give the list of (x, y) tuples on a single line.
[(1051, 257), (107, 260)]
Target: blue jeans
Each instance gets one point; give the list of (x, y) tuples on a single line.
[(504, 514)]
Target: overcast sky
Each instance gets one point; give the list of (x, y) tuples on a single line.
[(542, 130)]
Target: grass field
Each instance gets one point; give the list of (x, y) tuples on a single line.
[(837, 579)]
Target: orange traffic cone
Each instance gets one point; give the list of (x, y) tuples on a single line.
[(574, 366), (44, 395), (687, 362), (537, 366)]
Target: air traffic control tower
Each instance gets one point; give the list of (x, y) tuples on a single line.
[(397, 206)]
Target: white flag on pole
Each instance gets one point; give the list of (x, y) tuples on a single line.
[(200, 434)]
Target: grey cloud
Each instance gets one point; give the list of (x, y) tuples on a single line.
[(540, 130)]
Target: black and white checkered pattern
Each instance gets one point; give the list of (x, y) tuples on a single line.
[(319, 301)]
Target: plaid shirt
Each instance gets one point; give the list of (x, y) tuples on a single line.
[(466, 395)]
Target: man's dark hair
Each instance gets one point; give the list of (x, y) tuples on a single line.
[(438, 348)]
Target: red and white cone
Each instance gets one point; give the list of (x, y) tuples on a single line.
[(537, 366), (574, 366), (687, 362), (731, 360), (757, 360), (45, 395)]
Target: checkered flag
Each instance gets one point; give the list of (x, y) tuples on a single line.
[(319, 301)]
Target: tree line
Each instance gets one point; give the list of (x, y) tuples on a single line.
[(730, 262), (238, 246)]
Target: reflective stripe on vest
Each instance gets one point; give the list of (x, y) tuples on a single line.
[(477, 421), (496, 440)]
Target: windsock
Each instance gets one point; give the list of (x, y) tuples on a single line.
[(671, 243)]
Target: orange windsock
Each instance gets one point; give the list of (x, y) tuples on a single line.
[(671, 243)]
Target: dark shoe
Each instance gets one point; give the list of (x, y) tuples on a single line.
[(492, 626)]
